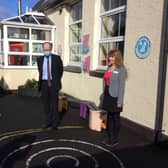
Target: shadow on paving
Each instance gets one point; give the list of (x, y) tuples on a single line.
[(145, 156), (12, 146), (21, 113)]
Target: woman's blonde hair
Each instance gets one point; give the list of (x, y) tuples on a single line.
[(118, 58)]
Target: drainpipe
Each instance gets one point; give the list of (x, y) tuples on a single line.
[(19, 7), (162, 76)]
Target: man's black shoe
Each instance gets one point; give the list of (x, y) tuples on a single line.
[(47, 126), (55, 128)]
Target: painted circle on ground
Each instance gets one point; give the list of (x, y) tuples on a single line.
[(51, 153)]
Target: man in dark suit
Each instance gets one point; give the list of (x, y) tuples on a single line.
[(50, 69)]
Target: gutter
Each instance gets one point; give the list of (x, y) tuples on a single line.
[(162, 76)]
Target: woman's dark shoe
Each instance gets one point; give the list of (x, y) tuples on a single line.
[(107, 142)]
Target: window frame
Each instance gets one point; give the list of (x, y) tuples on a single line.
[(120, 38), (76, 44), (30, 41)]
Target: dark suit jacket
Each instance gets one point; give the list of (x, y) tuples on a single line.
[(56, 71)]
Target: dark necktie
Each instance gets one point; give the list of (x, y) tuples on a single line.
[(48, 73)]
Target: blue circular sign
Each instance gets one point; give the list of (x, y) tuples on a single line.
[(143, 47)]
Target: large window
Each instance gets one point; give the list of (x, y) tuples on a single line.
[(75, 33), (25, 44), (113, 18)]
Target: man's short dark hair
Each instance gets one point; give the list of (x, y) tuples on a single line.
[(47, 42)]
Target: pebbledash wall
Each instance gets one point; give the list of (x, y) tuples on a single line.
[(142, 18)]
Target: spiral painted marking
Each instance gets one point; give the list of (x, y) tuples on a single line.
[(96, 146), (62, 156), (61, 148), (7, 135)]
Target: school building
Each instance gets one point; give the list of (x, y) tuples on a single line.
[(83, 33)]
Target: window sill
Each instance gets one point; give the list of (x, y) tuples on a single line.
[(97, 73), (73, 69), (19, 67)]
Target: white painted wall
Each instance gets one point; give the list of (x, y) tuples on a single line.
[(14, 77), (143, 18)]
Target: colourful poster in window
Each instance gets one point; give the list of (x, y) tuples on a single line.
[(87, 63), (86, 44)]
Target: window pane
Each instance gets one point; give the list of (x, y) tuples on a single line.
[(75, 53), (105, 48), (107, 5), (113, 4), (18, 60), (43, 20), (1, 46), (18, 46), (122, 24), (110, 26), (1, 59), (28, 19), (75, 33), (122, 2), (41, 35), (103, 54), (15, 20), (1, 33), (37, 47), (34, 60), (76, 12), (18, 33), (104, 5)]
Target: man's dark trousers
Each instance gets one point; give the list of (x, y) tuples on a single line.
[(50, 102)]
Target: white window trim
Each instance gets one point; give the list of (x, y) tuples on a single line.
[(75, 44), (76, 22), (73, 63), (111, 39), (114, 11)]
